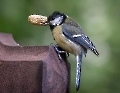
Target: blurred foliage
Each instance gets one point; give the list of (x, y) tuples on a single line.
[(100, 20)]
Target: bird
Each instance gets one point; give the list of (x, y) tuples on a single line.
[(70, 36)]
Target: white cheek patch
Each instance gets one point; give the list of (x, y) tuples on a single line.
[(52, 22), (57, 21)]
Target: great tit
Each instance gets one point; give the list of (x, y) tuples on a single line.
[(70, 37)]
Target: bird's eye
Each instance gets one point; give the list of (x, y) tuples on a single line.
[(53, 18)]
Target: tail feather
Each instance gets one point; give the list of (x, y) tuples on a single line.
[(95, 52), (78, 70)]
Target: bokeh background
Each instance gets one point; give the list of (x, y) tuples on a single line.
[(100, 20)]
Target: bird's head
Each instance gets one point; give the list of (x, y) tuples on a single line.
[(56, 19)]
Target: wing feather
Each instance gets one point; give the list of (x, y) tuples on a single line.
[(76, 35)]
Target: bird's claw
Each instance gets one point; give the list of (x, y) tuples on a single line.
[(59, 51)]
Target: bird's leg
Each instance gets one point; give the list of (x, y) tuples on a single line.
[(78, 70), (59, 51)]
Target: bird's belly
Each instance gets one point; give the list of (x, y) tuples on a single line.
[(63, 42)]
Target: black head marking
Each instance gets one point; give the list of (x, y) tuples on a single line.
[(56, 19)]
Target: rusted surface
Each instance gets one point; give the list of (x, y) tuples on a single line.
[(0, 63), (31, 69)]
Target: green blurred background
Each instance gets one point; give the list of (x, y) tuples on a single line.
[(100, 20)]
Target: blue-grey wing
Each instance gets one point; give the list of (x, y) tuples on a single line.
[(76, 35)]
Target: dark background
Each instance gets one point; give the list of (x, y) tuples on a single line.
[(100, 20)]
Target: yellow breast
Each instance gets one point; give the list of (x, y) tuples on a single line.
[(63, 42)]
